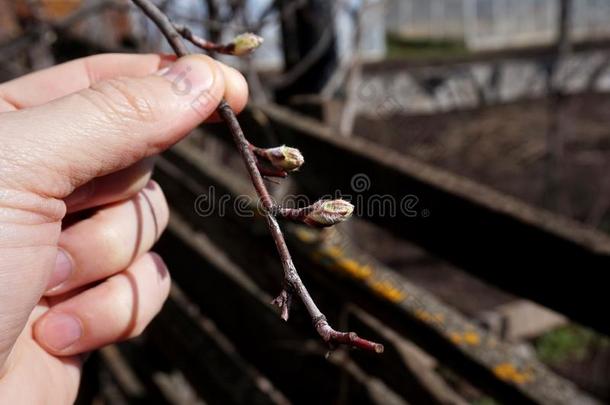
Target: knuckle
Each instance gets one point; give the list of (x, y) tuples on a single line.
[(123, 98), (122, 304), (163, 210), (114, 245), (162, 279)]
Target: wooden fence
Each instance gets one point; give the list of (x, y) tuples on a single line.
[(219, 339)]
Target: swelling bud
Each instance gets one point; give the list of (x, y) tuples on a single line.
[(325, 213), (245, 44), (285, 158)]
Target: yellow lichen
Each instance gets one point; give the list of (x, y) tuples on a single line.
[(468, 338), (306, 235), (508, 372), (334, 252), (429, 317), (388, 291), (354, 269), (439, 318), (422, 315), (472, 338), (456, 337)]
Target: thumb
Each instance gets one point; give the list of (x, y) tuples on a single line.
[(107, 127)]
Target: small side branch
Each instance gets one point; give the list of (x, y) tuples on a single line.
[(242, 44), (335, 338)]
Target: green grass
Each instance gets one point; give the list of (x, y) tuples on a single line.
[(570, 342), (401, 48)]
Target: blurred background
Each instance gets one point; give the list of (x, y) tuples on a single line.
[(473, 136)]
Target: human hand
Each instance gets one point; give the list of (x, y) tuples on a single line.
[(76, 143)]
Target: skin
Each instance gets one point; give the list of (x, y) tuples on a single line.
[(78, 211)]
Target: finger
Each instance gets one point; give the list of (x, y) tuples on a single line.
[(65, 372), (117, 309), (49, 84), (107, 242), (111, 188), (109, 126), (236, 90)]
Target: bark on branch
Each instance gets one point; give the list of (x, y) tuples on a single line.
[(293, 285)]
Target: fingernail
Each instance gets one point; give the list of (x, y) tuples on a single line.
[(62, 271), (162, 72), (192, 79), (60, 330), (190, 75)]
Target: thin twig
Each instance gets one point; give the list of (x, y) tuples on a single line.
[(173, 32), (201, 42), (226, 49), (293, 285), (165, 25)]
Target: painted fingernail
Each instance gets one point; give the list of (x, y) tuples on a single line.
[(62, 271), (59, 331)]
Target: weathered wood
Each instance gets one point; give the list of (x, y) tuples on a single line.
[(402, 361), (150, 376), (122, 372), (245, 315), (493, 366), (214, 368), (530, 252), (454, 340)]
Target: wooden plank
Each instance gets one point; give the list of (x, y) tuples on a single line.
[(492, 365), (192, 343), (530, 252), (402, 361), (122, 372), (162, 383)]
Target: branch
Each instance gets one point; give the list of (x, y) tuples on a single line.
[(293, 285), (243, 44), (165, 26)]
